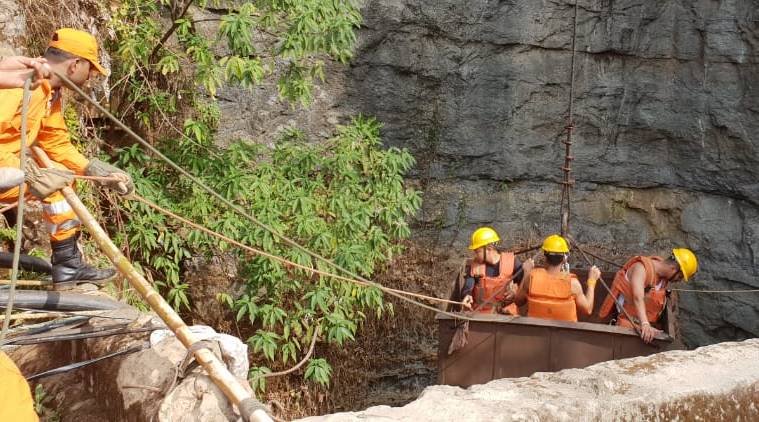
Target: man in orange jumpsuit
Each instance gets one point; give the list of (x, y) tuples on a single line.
[(75, 54), (639, 289)]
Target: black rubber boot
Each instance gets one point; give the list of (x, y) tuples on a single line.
[(69, 268)]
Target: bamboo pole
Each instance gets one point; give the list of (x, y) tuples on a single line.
[(47, 315), (250, 408), (39, 283)]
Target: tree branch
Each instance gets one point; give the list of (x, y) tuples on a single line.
[(168, 33)]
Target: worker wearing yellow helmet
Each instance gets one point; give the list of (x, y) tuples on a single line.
[(487, 281), (640, 287), (553, 292)]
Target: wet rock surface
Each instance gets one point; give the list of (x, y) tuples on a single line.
[(718, 382)]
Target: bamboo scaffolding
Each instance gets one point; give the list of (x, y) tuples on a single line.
[(250, 408)]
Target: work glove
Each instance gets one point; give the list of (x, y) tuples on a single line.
[(102, 169), (43, 182), (10, 177)]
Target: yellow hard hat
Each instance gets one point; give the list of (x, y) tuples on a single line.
[(687, 261), (555, 244), (483, 237)]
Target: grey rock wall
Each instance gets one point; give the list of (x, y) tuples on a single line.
[(666, 146), (13, 25), (666, 109)]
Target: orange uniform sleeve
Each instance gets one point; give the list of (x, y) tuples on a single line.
[(9, 160), (9, 133), (55, 140)]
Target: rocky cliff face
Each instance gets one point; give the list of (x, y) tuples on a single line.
[(666, 146)]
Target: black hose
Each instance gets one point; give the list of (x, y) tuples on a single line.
[(78, 335), (58, 323), (59, 301), (78, 365), (26, 263)]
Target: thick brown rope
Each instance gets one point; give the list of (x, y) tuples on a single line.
[(284, 261), (297, 365), (674, 289)]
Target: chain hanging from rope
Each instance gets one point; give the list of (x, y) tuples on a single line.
[(567, 182)]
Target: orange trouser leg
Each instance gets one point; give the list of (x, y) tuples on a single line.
[(61, 220)]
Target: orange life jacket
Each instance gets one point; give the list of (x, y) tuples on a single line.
[(655, 298), (487, 287), (550, 296)]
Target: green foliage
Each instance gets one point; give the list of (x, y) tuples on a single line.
[(296, 37), (319, 371), (257, 382), (343, 198), (41, 402), (8, 234)]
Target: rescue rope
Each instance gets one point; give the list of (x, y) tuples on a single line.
[(230, 204), (20, 215), (277, 258), (8, 208), (295, 367), (674, 289), (249, 407), (615, 264), (716, 291), (76, 176), (400, 294)]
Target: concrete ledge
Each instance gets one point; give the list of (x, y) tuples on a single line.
[(718, 382)]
